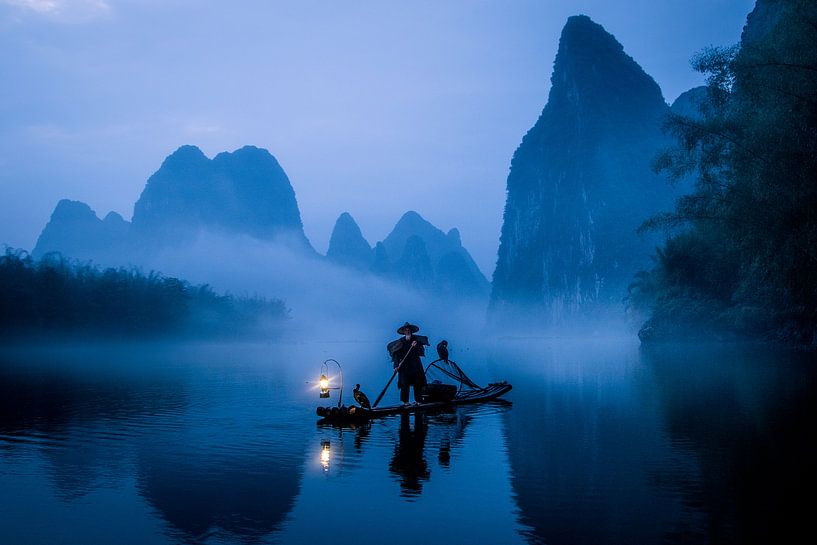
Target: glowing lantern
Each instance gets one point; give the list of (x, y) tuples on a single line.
[(324, 384)]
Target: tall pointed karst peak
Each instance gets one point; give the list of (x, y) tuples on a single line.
[(580, 31), (346, 222), (347, 245), (592, 68), (346, 231), (580, 184)]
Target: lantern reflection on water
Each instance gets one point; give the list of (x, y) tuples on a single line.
[(325, 455)]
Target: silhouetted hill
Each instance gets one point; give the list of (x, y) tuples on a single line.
[(241, 193), (244, 192), (415, 253), (75, 230), (580, 184), (347, 246), (423, 256), (689, 103), (413, 224)]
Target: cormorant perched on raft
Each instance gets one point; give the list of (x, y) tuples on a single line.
[(442, 350), (361, 398)]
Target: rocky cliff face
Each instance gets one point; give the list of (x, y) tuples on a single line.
[(580, 184), (765, 16), (244, 192), (347, 246)]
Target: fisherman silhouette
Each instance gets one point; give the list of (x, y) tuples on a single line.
[(405, 354)]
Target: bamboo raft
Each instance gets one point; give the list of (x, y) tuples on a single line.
[(476, 395)]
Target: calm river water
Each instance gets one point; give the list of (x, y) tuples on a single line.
[(599, 442)]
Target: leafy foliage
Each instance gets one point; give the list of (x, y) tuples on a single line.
[(55, 295), (747, 254)]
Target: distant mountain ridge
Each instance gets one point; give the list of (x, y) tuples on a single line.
[(415, 253), (580, 184), (244, 192), (247, 193)]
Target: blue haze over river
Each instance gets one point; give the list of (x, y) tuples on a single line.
[(600, 442)]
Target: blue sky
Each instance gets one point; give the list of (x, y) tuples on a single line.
[(371, 107)]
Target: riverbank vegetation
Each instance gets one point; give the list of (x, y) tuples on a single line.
[(742, 259), (58, 296)]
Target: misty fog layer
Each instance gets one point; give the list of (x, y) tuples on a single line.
[(233, 222), (326, 300)]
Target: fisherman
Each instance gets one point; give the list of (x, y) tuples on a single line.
[(405, 354)]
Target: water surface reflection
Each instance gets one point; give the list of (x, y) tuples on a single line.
[(446, 472), (611, 443), (604, 442), (747, 417), (409, 459), (179, 437)]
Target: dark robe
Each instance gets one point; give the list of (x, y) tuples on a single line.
[(411, 372)]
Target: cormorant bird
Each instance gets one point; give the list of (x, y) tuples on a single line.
[(442, 350), (361, 398)]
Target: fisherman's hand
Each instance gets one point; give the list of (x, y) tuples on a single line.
[(413, 343)]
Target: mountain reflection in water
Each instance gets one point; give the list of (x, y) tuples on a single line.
[(197, 453), (613, 443)]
